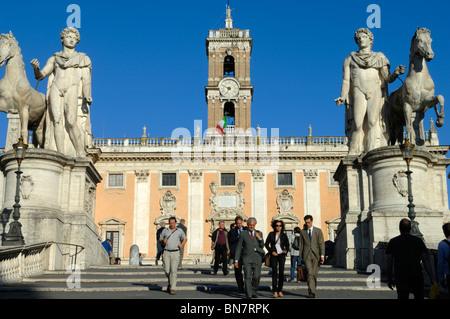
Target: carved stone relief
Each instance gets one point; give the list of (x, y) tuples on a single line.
[(195, 175), (311, 174), (226, 206), (89, 198), (285, 205), (26, 186), (142, 175), (168, 203), (400, 181), (258, 175)]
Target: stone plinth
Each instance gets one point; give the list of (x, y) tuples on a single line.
[(57, 204), (374, 198)]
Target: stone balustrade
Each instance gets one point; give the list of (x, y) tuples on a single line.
[(302, 143), (232, 33), (125, 144), (19, 262)]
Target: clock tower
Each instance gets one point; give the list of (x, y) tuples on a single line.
[(229, 91)]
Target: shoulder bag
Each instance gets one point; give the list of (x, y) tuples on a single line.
[(267, 256)]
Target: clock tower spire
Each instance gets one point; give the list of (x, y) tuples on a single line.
[(229, 91)]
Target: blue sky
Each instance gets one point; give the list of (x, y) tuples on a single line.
[(150, 64)]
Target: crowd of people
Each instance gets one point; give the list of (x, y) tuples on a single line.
[(242, 248)]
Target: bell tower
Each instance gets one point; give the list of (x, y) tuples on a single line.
[(229, 91)]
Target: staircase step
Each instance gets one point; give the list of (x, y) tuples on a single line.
[(123, 278)]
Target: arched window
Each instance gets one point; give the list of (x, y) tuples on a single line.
[(228, 66), (228, 111)]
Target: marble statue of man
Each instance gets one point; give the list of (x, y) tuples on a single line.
[(69, 75), (364, 92)]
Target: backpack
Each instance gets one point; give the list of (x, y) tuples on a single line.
[(295, 243)]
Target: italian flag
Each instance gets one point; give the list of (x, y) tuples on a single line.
[(222, 125)]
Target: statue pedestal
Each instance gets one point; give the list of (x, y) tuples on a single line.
[(57, 198), (374, 198)]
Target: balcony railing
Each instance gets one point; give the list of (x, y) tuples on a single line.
[(215, 140), (232, 33)]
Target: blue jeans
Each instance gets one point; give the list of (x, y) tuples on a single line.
[(295, 261)]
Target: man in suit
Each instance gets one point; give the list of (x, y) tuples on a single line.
[(251, 248), (312, 251), (234, 239)]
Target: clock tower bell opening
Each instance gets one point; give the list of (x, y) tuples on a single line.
[(228, 111)]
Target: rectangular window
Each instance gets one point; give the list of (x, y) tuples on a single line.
[(284, 179), (115, 180), (227, 179), (169, 179), (114, 237)]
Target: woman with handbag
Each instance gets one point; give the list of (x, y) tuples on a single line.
[(277, 244)]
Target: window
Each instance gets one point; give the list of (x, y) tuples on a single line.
[(115, 180), (169, 179), (284, 179), (227, 179)]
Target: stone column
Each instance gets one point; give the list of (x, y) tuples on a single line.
[(141, 219), (312, 195), (259, 200), (195, 216)]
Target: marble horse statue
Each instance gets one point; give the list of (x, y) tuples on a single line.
[(16, 93), (407, 105)]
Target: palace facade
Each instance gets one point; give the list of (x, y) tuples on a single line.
[(205, 179), (212, 177)]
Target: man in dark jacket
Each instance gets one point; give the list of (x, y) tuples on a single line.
[(404, 254), (219, 243)]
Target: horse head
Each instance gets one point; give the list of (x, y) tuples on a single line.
[(9, 47), (421, 44)]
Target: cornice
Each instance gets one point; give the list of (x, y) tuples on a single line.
[(248, 157)]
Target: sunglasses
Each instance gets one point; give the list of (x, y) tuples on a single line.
[(278, 225)]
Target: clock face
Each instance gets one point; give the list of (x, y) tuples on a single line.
[(229, 88)]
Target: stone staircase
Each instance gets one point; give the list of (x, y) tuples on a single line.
[(117, 280)]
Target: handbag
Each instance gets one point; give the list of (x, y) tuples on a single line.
[(267, 259), (301, 273), (267, 256)]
